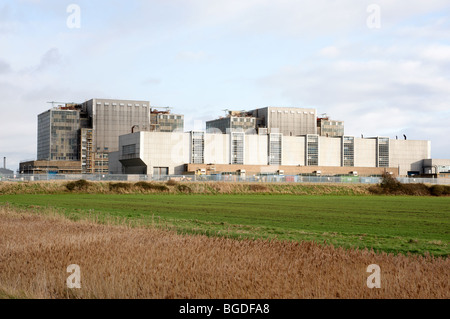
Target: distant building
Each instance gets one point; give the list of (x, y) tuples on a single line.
[(164, 121), (235, 121), (111, 118), (89, 131), (436, 167), (289, 121), (58, 130), (50, 167), (330, 128), (5, 171), (158, 153)]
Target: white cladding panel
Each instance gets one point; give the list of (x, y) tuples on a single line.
[(256, 149), (408, 155), (365, 152), (173, 150), (163, 149), (217, 148), (293, 150), (330, 151)]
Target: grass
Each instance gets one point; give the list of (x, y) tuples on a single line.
[(393, 224), (118, 261)]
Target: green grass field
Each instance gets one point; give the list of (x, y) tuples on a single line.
[(397, 224)]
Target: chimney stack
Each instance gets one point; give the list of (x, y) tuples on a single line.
[(4, 162)]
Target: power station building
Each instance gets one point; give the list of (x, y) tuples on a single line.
[(103, 136), (85, 133), (289, 121), (158, 153)]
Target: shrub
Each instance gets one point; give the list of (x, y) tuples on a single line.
[(390, 184), (375, 189), (414, 189), (151, 186), (184, 188), (440, 190), (172, 182), (144, 185), (160, 187), (119, 186), (80, 185)]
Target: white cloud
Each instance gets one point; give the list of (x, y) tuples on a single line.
[(192, 56), (329, 52), (437, 52), (4, 67)]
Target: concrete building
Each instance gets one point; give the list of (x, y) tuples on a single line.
[(110, 118), (289, 121), (157, 153), (58, 130), (89, 131), (436, 167), (164, 121), (235, 121), (330, 128), (50, 167)]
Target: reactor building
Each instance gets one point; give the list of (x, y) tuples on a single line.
[(107, 136)]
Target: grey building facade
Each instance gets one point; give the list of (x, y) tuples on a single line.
[(232, 123), (330, 128), (289, 121), (111, 118), (58, 130), (89, 131)]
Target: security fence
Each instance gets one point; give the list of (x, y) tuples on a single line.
[(218, 178)]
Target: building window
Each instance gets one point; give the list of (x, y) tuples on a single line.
[(275, 148), (160, 171), (129, 149), (237, 148), (312, 150), (348, 151), (198, 147), (383, 152)]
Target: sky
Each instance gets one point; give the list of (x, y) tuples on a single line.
[(382, 67)]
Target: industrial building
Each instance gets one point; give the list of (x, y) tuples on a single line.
[(289, 121), (236, 121), (330, 128), (50, 167), (164, 121), (85, 133), (129, 137), (436, 167), (4, 170), (158, 153), (57, 138)]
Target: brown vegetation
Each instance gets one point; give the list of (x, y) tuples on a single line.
[(388, 186), (391, 186), (125, 262), (174, 187)]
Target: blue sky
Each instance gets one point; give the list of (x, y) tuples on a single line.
[(201, 57)]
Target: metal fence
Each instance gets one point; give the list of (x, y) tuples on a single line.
[(219, 178)]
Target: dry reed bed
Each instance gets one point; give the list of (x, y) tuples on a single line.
[(124, 262)]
